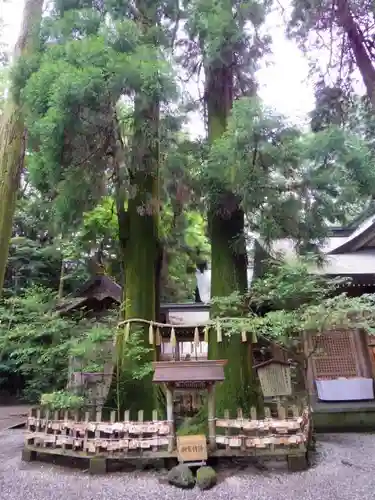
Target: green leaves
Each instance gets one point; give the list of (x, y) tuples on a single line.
[(290, 184), (226, 33), (76, 24), (29, 334), (90, 60), (296, 301), (286, 285), (36, 342), (62, 400)]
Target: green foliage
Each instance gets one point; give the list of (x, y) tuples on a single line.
[(37, 249), (289, 284), (131, 360), (294, 300), (36, 342), (62, 400), (227, 32), (90, 349), (190, 428), (88, 155), (186, 244), (344, 32), (32, 263), (291, 184), (132, 367), (71, 95)]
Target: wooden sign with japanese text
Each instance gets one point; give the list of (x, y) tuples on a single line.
[(192, 448)]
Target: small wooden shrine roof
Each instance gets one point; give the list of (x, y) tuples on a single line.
[(189, 371), (96, 291)]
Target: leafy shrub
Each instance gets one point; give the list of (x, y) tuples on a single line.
[(60, 400), (36, 342)]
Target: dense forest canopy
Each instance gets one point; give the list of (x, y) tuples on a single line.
[(98, 173)]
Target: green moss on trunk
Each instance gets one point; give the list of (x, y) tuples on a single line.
[(229, 271), (139, 241), (139, 223), (228, 253), (12, 151), (13, 137)]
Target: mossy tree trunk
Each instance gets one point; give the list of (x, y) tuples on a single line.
[(228, 252), (13, 137), (142, 246), (12, 151), (139, 225)]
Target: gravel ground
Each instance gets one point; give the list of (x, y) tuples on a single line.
[(344, 470)]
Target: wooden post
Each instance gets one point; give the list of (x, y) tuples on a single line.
[(28, 455), (211, 416), (170, 419)]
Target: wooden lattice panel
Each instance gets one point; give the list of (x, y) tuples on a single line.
[(335, 355)]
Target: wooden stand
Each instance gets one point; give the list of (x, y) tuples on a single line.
[(28, 455), (297, 463), (211, 416), (188, 375), (98, 465), (170, 419), (76, 435), (169, 389)]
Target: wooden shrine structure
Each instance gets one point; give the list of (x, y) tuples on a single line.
[(282, 433), (349, 252), (187, 375)]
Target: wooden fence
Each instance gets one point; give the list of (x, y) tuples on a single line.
[(287, 433), (66, 433), (69, 434)]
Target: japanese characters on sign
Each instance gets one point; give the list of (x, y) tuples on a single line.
[(192, 448)]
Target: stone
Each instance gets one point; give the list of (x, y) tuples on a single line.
[(181, 476), (206, 478)]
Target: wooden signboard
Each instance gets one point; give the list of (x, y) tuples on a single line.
[(192, 448)]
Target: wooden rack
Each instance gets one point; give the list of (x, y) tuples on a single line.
[(274, 436), (70, 434)]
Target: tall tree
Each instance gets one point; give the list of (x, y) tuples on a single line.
[(230, 43), (78, 124), (291, 184), (13, 135), (141, 243)]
